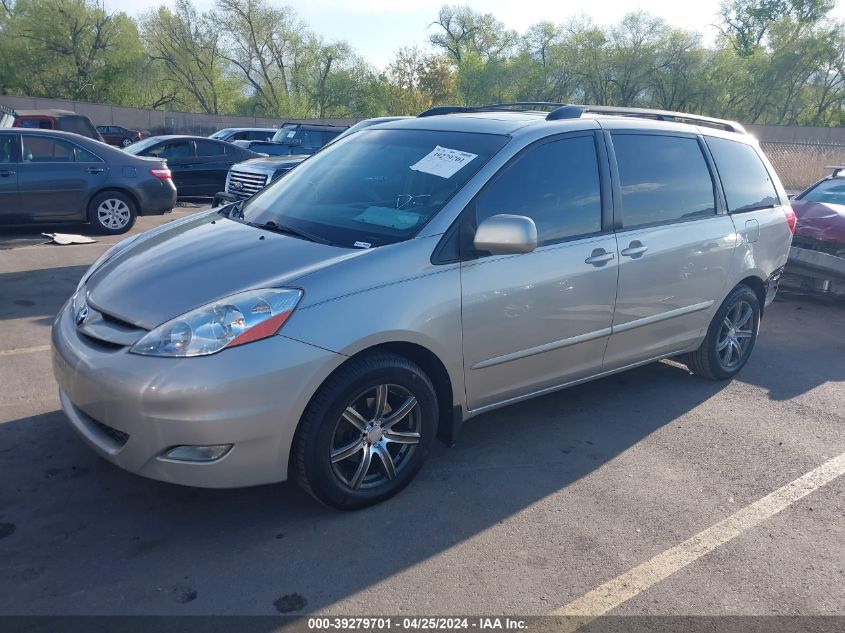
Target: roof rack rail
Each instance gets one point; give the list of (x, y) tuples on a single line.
[(493, 107), (575, 111)]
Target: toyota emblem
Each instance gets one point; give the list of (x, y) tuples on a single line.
[(82, 315)]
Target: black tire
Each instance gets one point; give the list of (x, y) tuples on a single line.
[(325, 421), (119, 220), (709, 360)]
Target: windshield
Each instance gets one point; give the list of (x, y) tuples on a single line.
[(830, 191), (375, 187), (285, 134), (138, 147), (221, 133)]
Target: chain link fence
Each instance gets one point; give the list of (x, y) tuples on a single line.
[(801, 164)]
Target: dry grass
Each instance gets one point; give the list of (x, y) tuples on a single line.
[(801, 164)]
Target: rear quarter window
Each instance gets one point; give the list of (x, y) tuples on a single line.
[(745, 179)]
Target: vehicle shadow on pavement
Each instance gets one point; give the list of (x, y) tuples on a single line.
[(90, 538), (37, 293), (804, 347)]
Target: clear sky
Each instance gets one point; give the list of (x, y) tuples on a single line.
[(376, 28)]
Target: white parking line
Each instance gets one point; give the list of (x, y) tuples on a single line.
[(24, 350), (613, 593)]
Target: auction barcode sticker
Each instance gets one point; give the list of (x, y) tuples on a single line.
[(443, 162)]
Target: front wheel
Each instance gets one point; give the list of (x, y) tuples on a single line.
[(366, 432), (730, 337), (126, 143)]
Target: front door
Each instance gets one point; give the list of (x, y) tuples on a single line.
[(55, 178), (541, 319), (9, 154), (675, 249)]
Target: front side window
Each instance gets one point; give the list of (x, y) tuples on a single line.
[(745, 179), (556, 184), (170, 150), (37, 149), (663, 179), (830, 191), (374, 188), (7, 147)]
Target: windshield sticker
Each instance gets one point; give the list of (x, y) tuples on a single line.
[(391, 218), (443, 162), (291, 134), (362, 245)]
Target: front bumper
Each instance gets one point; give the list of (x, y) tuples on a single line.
[(131, 409)]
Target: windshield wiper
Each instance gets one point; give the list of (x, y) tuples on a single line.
[(271, 225)]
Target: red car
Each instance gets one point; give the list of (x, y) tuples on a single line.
[(818, 247), (119, 136)]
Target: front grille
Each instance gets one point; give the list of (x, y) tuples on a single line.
[(119, 437), (248, 183)]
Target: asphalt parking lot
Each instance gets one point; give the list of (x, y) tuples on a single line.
[(537, 506)]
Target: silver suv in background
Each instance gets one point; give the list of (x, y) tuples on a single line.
[(411, 276)]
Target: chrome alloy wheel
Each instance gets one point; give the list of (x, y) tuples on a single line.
[(113, 213), (375, 436), (735, 335)]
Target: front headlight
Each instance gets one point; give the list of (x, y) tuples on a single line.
[(242, 318)]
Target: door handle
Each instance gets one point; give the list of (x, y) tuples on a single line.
[(634, 249), (5, 173), (599, 257), (95, 170)]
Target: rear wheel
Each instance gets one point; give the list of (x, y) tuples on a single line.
[(112, 212), (730, 337), (366, 432), (126, 142)]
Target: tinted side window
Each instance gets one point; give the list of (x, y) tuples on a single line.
[(555, 184), (234, 151), (663, 179), (84, 156), (260, 136), (744, 176), (37, 149), (7, 148), (210, 148), (174, 149)]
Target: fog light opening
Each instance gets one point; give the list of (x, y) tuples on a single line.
[(188, 453)]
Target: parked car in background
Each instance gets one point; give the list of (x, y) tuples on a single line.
[(65, 120), (362, 125), (415, 275), (295, 138), (818, 249), (119, 136), (54, 176), (199, 165), (230, 134), (249, 177)]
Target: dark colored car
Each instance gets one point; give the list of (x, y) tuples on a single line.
[(54, 176), (199, 165), (119, 136), (249, 177), (295, 139), (231, 134), (64, 120)]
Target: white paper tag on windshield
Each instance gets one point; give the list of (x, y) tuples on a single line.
[(291, 134), (362, 245), (443, 162)]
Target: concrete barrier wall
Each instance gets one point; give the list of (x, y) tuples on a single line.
[(156, 121)]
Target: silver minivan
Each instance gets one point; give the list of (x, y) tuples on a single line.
[(414, 275)]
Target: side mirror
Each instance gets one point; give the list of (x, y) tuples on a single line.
[(505, 234)]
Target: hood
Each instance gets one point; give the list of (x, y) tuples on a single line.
[(820, 220), (169, 271), (274, 162)]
